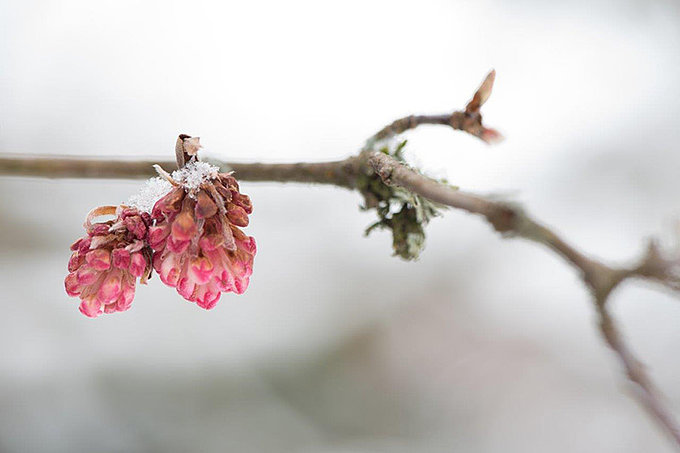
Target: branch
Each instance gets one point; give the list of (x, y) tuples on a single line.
[(506, 218), (598, 277), (338, 173), (646, 391)]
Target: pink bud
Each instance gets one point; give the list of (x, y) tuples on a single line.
[(237, 215), (109, 289), (207, 297), (76, 245), (184, 227), (211, 242), (84, 246), (243, 201), (87, 275), (71, 284), (136, 226), (90, 307), (157, 235), (137, 264), (121, 258), (125, 299), (75, 261), (186, 287), (200, 270), (205, 206), (99, 259), (176, 245), (167, 270)]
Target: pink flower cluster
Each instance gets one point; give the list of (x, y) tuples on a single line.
[(106, 264), (198, 247), (191, 239)]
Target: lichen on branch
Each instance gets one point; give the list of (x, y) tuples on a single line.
[(401, 211)]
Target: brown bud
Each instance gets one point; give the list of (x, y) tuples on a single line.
[(482, 94), (186, 147)]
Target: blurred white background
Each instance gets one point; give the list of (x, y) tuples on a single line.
[(483, 345)]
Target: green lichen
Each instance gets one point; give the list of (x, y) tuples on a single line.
[(398, 210)]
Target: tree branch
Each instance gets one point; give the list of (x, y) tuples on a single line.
[(506, 218), (338, 173), (645, 389), (598, 277)]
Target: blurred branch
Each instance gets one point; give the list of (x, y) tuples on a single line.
[(645, 389), (338, 173), (469, 120), (506, 218), (601, 279)]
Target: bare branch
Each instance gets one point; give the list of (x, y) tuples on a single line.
[(338, 173), (600, 278), (645, 390)]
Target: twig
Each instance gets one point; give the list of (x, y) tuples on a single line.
[(508, 219), (469, 120), (645, 389)]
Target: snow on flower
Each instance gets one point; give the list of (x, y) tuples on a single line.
[(149, 194), (106, 263)]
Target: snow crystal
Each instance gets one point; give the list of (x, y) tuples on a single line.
[(193, 174), (148, 195)]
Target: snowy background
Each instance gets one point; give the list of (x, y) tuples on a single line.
[(483, 345)]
